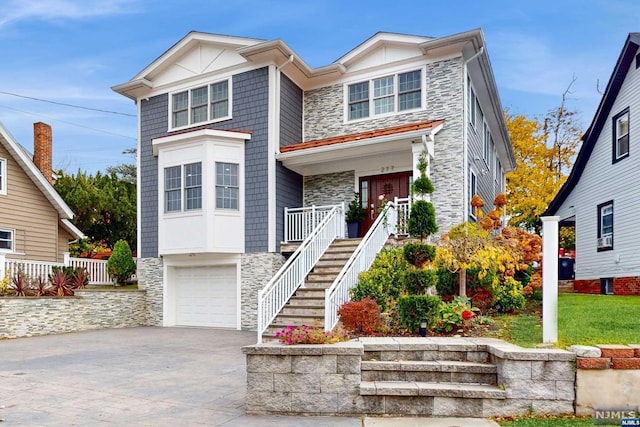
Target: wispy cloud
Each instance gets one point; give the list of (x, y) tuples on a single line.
[(46, 10)]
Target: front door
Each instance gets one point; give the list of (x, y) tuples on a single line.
[(372, 187)]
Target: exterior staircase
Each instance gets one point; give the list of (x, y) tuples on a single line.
[(306, 307), (439, 377)]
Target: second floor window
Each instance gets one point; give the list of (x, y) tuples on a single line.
[(202, 104), (183, 187), (227, 186), (621, 135), (389, 94)]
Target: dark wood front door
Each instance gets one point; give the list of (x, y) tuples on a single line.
[(372, 187)]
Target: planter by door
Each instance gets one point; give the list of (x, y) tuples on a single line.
[(353, 229)]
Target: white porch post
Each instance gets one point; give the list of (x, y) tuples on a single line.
[(3, 266), (286, 225), (66, 259), (550, 278)]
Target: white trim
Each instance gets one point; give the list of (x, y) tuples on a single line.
[(72, 229), (3, 176), (188, 88), (272, 144), (198, 135), (139, 183), (13, 241)]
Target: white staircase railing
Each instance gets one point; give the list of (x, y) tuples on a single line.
[(293, 273), (362, 258), (404, 207), (300, 222)]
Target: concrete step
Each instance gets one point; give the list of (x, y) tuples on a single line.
[(315, 311), (310, 292), (428, 389), (327, 270), (306, 301), (331, 263), (283, 320), (430, 371)]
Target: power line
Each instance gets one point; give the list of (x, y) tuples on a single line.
[(67, 105), (69, 123)]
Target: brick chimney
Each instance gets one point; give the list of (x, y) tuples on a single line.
[(42, 150)]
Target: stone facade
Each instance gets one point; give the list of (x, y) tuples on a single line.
[(88, 309), (256, 271), (329, 189), (150, 279)]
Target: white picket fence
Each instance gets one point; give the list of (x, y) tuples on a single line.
[(96, 268)]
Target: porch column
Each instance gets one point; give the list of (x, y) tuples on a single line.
[(550, 278), (3, 266)]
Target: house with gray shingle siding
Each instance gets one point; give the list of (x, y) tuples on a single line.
[(233, 131)]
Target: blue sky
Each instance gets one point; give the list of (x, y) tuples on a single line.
[(73, 51)]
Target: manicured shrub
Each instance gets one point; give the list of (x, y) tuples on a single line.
[(383, 281), (412, 309), (422, 221), (416, 282), (360, 317), (306, 334), (120, 265), (418, 253), (422, 186), (447, 283)]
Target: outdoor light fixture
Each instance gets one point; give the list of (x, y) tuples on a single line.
[(423, 328)]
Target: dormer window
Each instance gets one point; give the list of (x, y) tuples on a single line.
[(385, 95), (202, 104)]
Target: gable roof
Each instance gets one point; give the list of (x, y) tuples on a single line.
[(21, 156), (590, 137)]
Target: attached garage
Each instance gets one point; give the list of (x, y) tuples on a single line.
[(206, 296)]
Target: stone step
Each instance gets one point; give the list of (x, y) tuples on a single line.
[(315, 311), (330, 263), (430, 389), (306, 301), (283, 320), (310, 293), (427, 349), (430, 371), (342, 256), (334, 270), (317, 284)]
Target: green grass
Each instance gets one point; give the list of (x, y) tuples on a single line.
[(130, 287), (548, 422), (582, 319)]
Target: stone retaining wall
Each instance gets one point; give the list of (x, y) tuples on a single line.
[(608, 377), (88, 309)]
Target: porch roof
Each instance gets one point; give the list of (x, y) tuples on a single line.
[(367, 135)]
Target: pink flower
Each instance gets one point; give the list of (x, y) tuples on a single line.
[(381, 197), (467, 314)]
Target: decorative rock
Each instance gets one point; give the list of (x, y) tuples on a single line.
[(612, 350), (593, 363), (585, 351)]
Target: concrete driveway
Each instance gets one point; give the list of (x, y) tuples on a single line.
[(140, 377)]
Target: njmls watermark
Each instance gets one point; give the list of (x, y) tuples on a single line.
[(628, 416)]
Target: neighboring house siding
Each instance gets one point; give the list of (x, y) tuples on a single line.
[(63, 243), (603, 181), (26, 210), (250, 114), (288, 183)]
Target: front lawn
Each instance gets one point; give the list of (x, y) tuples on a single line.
[(582, 319), (548, 422)]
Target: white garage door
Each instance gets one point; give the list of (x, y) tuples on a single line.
[(206, 296)]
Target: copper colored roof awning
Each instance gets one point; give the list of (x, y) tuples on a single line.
[(427, 125)]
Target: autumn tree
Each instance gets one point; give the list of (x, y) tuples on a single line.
[(104, 206), (544, 152)]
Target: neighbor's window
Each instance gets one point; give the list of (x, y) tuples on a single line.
[(227, 186), (472, 103), (6, 240), (385, 95), (177, 189), (621, 136), (201, 104), (3, 176), (605, 226), (473, 189)]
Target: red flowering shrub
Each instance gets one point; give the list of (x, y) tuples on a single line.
[(360, 317)]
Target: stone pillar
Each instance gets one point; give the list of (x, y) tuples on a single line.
[(550, 278)]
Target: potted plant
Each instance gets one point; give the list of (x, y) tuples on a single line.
[(354, 216)]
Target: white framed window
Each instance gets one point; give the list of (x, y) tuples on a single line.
[(206, 103), (473, 189), (6, 240), (621, 135), (227, 186), (605, 226), (487, 142), (183, 187), (3, 176), (385, 95), (472, 103)]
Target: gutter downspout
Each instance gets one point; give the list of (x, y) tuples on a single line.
[(465, 132)]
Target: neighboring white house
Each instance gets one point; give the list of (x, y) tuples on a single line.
[(234, 130), (600, 196)]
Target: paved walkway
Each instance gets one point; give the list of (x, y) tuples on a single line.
[(146, 377)]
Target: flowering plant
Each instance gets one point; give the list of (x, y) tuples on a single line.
[(306, 334), (454, 315)]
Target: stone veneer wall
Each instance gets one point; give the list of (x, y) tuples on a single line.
[(88, 309), (256, 271), (325, 379), (150, 277), (329, 189), (608, 377)]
